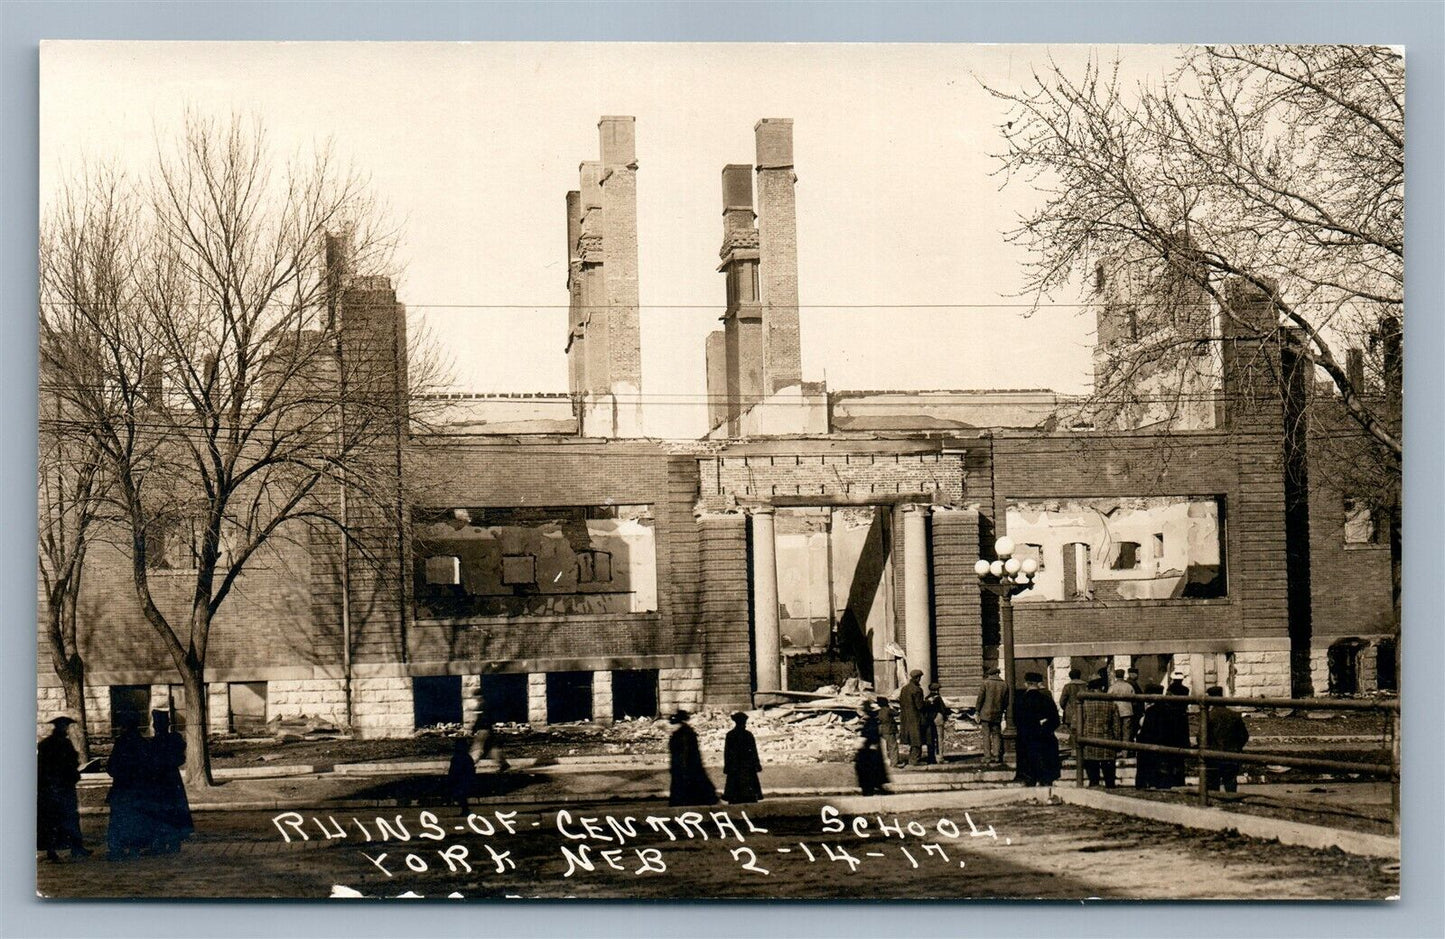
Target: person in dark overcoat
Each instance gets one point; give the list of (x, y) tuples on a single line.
[(57, 810), (868, 762), (910, 724), (165, 803), (1151, 730), (1173, 731), (461, 773), (690, 782), (129, 829), (741, 764), (888, 729), (1227, 731), (1038, 748)]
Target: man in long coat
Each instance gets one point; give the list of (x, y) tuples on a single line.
[(128, 829), (910, 729), (690, 782), (57, 809), (1038, 748), (167, 805), (1068, 703), (990, 708), (741, 764)]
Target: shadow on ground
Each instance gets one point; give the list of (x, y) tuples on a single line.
[(436, 790)]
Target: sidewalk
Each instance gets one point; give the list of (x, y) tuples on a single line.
[(563, 780)]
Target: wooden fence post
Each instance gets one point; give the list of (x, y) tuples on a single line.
[(1203, 745)]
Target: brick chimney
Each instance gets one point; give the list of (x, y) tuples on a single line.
[(743, 321), (778, 254), (618, 183), (576, 345)]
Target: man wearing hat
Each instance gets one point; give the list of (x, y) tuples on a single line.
[(910, 713), (690, 782), (935, 719), (57, 809), (990, 707), (1038, 748)]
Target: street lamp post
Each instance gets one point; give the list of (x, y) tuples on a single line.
[(1006, 577)]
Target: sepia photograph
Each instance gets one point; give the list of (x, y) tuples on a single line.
[(719, 471)]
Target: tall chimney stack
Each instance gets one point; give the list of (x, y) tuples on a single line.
[(778, 254), (618, 181), (743, 321)]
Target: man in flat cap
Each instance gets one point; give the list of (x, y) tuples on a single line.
[(910, 719), (991, 706), (57, 810)]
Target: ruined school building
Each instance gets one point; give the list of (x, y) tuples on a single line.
[(561, 566)]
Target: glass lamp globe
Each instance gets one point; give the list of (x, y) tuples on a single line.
[(1004, 546), (980, 567), (1011, 565), (1029, 566), (996, 568)]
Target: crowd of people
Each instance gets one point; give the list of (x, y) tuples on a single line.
[(149, 810)]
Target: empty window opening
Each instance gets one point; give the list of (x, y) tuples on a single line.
[(248, 706), (1159, 546), (129, 704), (1076, 571), (1344, 662), (1386, 675), (1126, 556), (1361, 524), (436, 699), (504, 698), (1034, 551), (634, 693), (444, 569), (569, 697), (594, 567), (519, 570)]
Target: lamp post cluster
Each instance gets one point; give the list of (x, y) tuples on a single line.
[(1006, 577)]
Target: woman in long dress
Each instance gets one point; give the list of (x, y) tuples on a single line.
[(741, 764), (690, 782)]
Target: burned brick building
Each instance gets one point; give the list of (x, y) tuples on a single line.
[(557, 565)]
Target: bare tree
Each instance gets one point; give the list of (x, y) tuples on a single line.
[(232, 400), (1278, 168)]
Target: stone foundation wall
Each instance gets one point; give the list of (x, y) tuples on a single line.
[(1320, 669), (537, 697), (50, 702), (602, 697), (1260, 674), (218, 707), (471, 700), (318, 697), (677, 688), (383, 707)]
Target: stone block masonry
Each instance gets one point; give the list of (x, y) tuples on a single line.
[(382, 707), (678, 688), (316, 697), (537, 698), (1262, 674), (602, 697)]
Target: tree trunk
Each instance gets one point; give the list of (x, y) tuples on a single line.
[(198, 751), (72, 679)]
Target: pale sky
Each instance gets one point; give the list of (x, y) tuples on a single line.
[(474, 146)]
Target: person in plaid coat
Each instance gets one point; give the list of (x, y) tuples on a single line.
[(1101, 719)]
